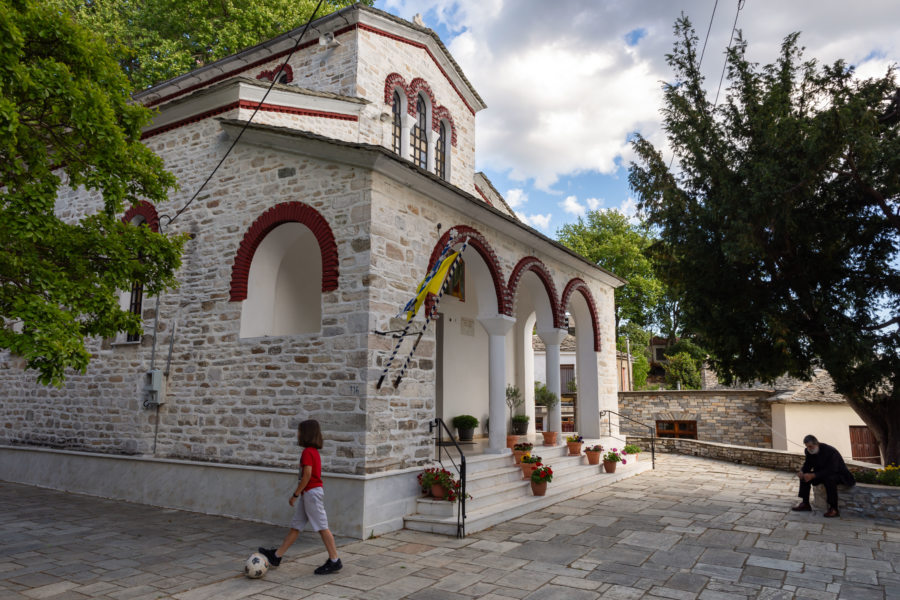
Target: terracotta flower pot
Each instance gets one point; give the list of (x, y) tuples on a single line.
[(438, 491), (539, 489), (549, 438), (518, 454), (593, 457), (511, 440), (527, 468), (610, 466), (574, 448)]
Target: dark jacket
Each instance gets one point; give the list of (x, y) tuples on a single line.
[(828, 462)]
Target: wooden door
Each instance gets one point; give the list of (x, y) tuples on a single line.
[(863, 445)]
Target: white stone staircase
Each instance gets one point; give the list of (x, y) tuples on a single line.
[(499, 493)]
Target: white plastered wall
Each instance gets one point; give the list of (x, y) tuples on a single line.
[(830, 423)]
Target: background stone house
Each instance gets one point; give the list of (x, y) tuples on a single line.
[(336, 200)]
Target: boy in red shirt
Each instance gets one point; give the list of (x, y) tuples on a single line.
[(311, 507)]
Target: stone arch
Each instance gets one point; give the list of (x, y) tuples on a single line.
[(441, 113), (286, 212), (392, 82), (277, 73), (578, 285), (484, 249), (417, 86), (535, 265), (147, 211)]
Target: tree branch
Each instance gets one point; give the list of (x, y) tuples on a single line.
[(894, 321), (892, 217)]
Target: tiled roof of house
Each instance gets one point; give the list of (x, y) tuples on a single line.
[(567, 345), (819, 389)]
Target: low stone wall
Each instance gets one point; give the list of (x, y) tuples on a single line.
[(862, 500), (733, 416), (760, 457)]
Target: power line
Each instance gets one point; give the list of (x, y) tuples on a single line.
[(259, 104), (731, 39), (708, 29)]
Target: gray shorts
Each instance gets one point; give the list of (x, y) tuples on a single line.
[(310, 508)]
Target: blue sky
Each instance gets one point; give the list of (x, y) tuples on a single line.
[(567, 83)]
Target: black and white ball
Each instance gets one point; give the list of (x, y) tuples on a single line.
[(256, 566)]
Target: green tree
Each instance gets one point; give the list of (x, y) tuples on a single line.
[(681, 371), (66, 122), (607, 238), (155, 40), (783, 213), (638, 344)]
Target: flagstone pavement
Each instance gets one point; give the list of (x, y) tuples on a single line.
[(693, 528)]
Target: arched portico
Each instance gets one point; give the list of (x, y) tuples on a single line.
[(579, 302)]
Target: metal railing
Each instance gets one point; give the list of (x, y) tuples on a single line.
[(460, 468), (650, 427)]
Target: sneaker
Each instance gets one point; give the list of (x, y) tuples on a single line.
[(269, 553), (803, 506), (832, 512), (330, 566)]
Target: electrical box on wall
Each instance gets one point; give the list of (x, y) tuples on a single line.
[(154, 388)]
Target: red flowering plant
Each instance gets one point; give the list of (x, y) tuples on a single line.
[(542, 474), (594, 448), (614, 456), (443, 478)]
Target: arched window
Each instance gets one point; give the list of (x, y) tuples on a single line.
[(142, 214), (398, 122), (440, 152), (419, 135)]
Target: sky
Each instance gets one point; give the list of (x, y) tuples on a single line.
[(568, 82)]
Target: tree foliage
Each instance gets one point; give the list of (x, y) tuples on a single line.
[(155, 40), (681, 371), (781, 221), (638, 344), (607, 238), (66, 123)]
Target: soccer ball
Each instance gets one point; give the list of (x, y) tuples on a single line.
[(256, 566)]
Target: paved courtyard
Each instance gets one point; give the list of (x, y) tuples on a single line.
[(693, 528)]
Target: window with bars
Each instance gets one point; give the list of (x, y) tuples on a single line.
[(135, 307), (398, 117), (677, 429), (418, 136), (440, 152)]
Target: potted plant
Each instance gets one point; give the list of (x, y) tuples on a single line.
[(520, 450), (540, 477), (528, 464), (520, 424), (610, 459), (513, 400), (593, 454), (574, 443), (545, 397), (632, 449), (465, 426), (440, 484)]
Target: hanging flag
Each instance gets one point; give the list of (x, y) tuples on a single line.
[(432, 284)]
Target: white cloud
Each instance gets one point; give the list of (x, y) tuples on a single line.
[(564, 89), (593, 203), (572, 206), (536, 221), (516, 197)]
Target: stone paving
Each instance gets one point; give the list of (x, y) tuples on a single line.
[(694, 528)]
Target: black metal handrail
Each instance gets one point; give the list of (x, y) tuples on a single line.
[(460, 468), (650, 427)]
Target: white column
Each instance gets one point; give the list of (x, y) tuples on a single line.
[(552, 339), (497, 327)]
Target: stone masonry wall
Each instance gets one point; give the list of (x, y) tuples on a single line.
[(229, 399), (741, 417)]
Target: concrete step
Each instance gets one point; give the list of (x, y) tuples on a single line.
[(498, 508)]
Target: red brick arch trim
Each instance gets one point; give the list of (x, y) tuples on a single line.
[(534, 264), (286, 212), (441, 113), (415, 86), (143, 209), (483, 247), (394, 81), (580, 286), (272, 73)]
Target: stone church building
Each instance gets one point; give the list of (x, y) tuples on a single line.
[(337, 199)]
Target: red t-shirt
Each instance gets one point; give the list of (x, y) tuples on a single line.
[(310, 458)]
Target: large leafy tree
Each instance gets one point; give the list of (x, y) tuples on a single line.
[(782, 211), (609, 239), (66, 123), (156, 40)]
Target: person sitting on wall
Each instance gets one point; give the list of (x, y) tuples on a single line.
[(824, 465)]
